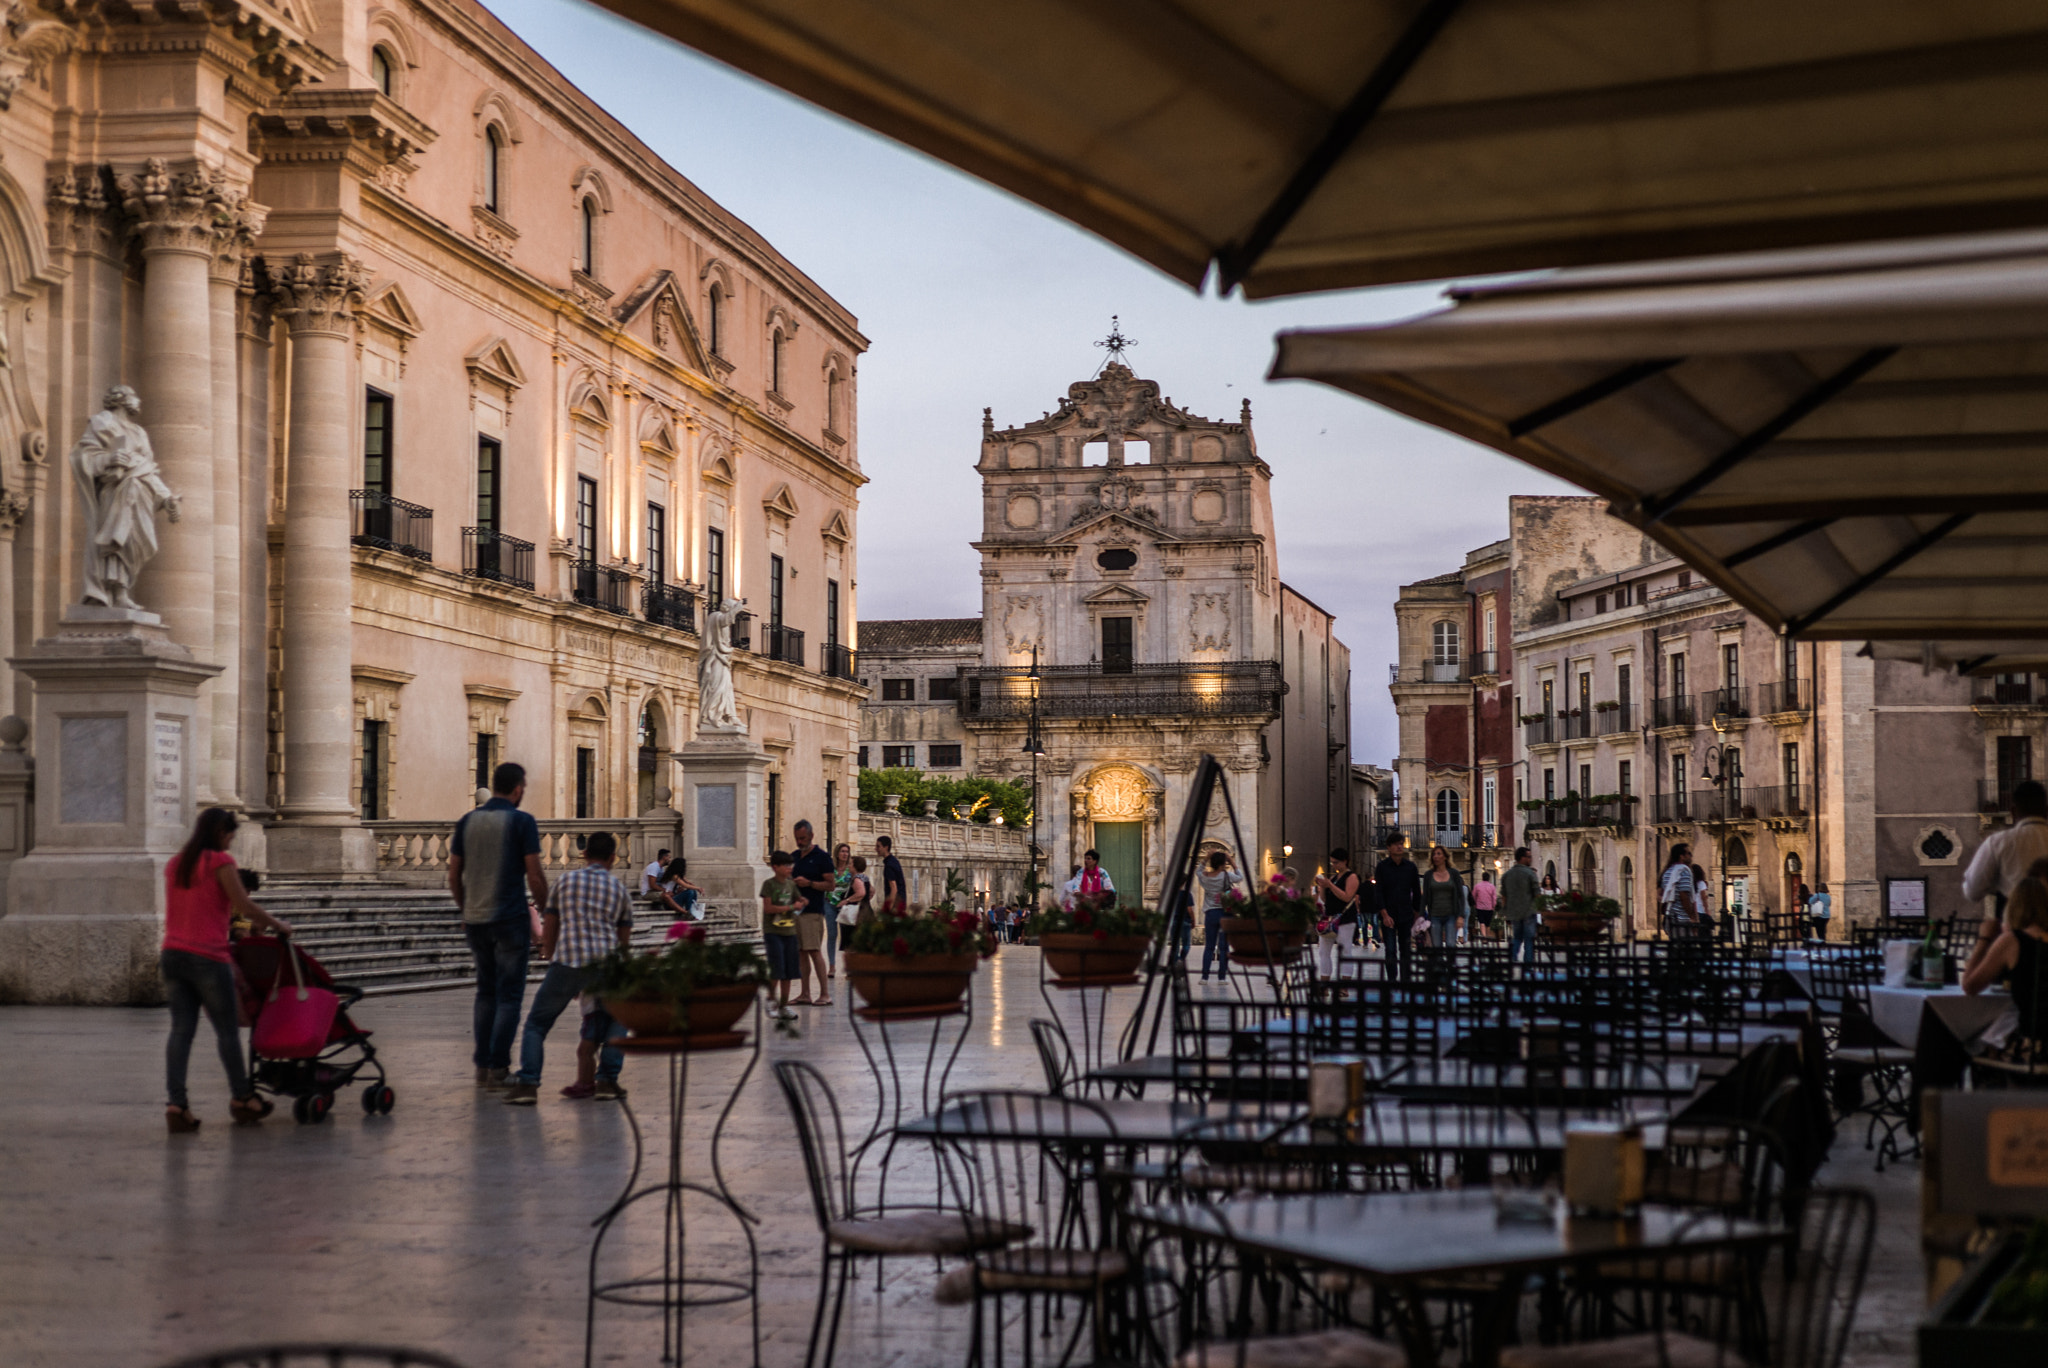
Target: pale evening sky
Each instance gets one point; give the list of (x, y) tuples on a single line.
[(971, 298)]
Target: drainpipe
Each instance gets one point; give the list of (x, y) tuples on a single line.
[(1654, 867)]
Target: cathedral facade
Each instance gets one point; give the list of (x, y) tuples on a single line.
[(1134, 618)]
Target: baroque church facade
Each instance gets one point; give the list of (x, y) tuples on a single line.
[(1133, 605), (470, 401)]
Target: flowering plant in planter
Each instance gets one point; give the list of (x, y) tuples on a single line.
[(1278, 902), (1578, 901), (940, 931), (692, 984), (1100, 916)]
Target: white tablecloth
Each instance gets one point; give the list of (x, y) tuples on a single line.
[(1987, 1019)]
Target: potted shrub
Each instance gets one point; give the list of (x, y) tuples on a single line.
[(693, 987), (1096, 941), (1578, 916), (904, 961), (1271, 924), (1996, 1316)]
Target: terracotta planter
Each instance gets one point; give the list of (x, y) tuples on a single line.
[(1247, 944), (710, 1009), (892, 983), (1078, 957), (1574, 926)]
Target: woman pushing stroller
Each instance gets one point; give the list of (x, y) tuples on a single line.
[(203, 894)]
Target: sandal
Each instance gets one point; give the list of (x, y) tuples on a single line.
[(822, 1002), (180, 1120), (801, 1002), (250, 1111)]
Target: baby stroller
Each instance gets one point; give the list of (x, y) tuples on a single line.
[(343, 1058)]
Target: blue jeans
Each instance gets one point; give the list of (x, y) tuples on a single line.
[(501, 950), (1443, 932), (559, 989), (192, 982), (1522, 944), (1214, 948), (832, 940), (1180, 939)]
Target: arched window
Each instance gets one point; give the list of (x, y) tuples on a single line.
[(832, 399), (494, 158), (714, 318), (1738, 853), (586, 239), (382, 65), (1589, 872), (1444, 643), (1450, 810), (775, 361)]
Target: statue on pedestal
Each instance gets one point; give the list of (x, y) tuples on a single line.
[(123, 492), (717, 709)]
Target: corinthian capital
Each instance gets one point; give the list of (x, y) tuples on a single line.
[(185, 211), (318, 295)]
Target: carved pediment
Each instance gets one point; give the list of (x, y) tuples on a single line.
[(780, 503), (1116, 596), (659, 302), (494, 363), (837, 528), (1092, 523)]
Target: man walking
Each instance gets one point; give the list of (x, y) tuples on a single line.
[(1397, 893), (1519, 890), (815, 877), (493, 866), (590, 915), (895, 892)]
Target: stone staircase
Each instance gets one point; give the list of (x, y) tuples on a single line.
[(409, 940)]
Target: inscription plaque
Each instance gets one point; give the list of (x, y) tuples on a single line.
[(716, 827), (167, 771), (93, 758)]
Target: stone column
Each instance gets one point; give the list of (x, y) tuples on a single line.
[(254, 337), (178, 218), (13, 508), (223, 279), (318, 300)]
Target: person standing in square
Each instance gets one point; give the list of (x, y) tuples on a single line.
[(589, 916), (493, 866)]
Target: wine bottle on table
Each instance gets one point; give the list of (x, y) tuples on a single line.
[(1931, 963)]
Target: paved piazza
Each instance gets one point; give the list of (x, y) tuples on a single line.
[(463, 1225)]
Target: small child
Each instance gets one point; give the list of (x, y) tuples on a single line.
[(598, 1061)]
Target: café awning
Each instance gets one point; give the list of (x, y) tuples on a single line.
[(1323, 144), (1852, 441)]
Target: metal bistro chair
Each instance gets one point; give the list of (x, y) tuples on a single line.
[(852, 1232), (1873, 1077)]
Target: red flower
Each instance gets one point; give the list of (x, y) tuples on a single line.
[(693, 934), (1084, 917), (901, 946), (955, 938)]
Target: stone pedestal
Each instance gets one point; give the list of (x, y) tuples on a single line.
[(116, 730), (725, 814)]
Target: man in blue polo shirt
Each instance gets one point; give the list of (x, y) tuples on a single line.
[(493, 865)]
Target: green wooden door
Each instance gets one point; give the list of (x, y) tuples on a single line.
[(1122, 848)]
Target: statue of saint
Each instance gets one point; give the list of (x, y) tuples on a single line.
[(123, 492), (717, 709)]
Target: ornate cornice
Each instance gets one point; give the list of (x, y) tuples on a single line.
[(251, 36), (28, 40), (84, 209), (364, 129), (318, 295)]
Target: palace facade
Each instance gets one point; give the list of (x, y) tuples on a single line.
[(470, 399)]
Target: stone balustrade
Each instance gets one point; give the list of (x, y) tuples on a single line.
[(994, 860), (415, 854)]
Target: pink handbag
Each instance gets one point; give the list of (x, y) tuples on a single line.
[(295, 1020)]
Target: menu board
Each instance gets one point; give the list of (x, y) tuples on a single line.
[(1905, 898)]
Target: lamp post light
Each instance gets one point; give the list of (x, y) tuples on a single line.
[(1722, 767), (1034, 746)]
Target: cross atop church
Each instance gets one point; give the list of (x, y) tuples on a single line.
[(1116, 343)]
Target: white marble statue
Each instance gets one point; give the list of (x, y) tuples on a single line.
[(717, 710), (123, 492)]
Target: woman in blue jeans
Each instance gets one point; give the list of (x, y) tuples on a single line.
[(202, 893), (1216, 878)]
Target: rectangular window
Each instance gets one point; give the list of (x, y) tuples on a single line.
[(1677, 676), (863, 757), (657, 544), (775, 591), (899, 757), (586, 782), (486, 758), (1625, 777), (1491, 639), (373, 771), (586, 519), (490, 469), (1623, 683), (831, 612), (1678, 781), (2015, 763), (1116, 645), (831, 813), (1790, 761), (1731, 666), (1585, 781), (377, 442), (1549, 698), (943, 688), (1791, 666), (1685, 579), (1586, 700), (945, 757), (1599, 603), (899, 690), (1550, 783), (714, 566), (1489, 798)]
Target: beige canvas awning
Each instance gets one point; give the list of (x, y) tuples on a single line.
[(1321, 144), (1852, 441)]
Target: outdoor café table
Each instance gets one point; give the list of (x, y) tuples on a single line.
[(1132, 1121), (1475, 1132), (1137, 1073), (1943, 1027), (1402, 1241)]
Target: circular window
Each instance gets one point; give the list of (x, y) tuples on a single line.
[(1937, 846), (1117, 558)]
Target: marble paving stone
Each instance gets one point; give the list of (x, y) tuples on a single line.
[(462, 1225)]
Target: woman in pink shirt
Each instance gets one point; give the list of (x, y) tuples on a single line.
[(202, 894)]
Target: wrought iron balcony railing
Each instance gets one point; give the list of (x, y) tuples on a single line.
[(1784, 696), (1483, 663), (1615, 720), (1164, 689), (1679, 711), (1724, 703), (491, 555), (1431, 672), (376, 519), (1672, 807), (785, 644), (1579, 724), (1544, 731), (669, 605), (1751, 802), (836, 661), (1995, 795), (600, 586)]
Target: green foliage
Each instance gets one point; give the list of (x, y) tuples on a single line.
[(1099, 916), (678, 967), (956, 888), (986, 796), (1579, 900), (903, 934), (2021, 1297), (1277, 901)]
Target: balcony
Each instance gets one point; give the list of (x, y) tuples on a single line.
[(376, 519), (1579, 724), (1166, 689), (1544, 731), (600, 586), (669, 605), (836, 661), (1614, 721), (491, 555), (1679, 711), (785, 644), (1722, 706), (1432, 672), (1483, 663), (1784, 696), (1995, 795), (1750, 803), (1669, 808)]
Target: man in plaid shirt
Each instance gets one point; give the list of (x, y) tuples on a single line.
[(587, 917)]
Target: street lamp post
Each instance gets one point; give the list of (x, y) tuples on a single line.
[(1034, 745), (1722, 768)]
